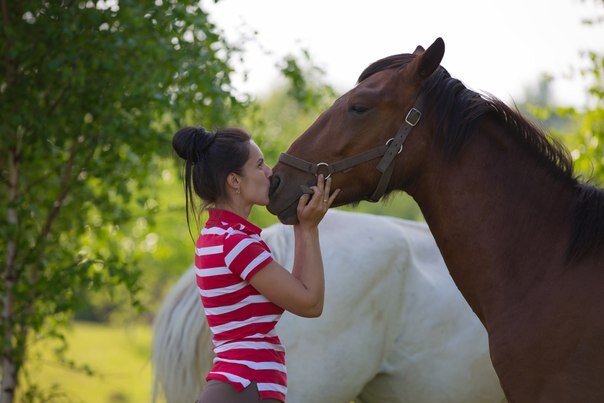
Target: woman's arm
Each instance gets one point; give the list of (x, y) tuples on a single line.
[(302, 291)]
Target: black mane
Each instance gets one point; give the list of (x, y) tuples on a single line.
[(464, 109)]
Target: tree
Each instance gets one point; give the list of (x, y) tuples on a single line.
[(589, 150), (89, 93), (582, 129)]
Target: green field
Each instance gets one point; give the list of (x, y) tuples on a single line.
[(119, 356)]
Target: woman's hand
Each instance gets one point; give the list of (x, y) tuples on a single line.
[(310, 213)]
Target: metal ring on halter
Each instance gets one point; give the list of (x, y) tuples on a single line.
[(399, 150), (325, 164)]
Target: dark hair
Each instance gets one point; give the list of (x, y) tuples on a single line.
[(209, 158)]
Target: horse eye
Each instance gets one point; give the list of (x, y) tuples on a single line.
[(358, 109)]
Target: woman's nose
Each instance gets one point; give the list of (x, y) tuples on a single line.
[(269, 172)]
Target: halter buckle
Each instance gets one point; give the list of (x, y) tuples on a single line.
[(390, 141), (413, 116)]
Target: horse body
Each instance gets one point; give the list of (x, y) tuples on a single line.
[(540, 311), (394, 327), (522, 238)]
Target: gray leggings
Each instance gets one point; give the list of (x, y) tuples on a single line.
[(222, 392)]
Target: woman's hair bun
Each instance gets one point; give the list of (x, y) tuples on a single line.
[(191, 142)]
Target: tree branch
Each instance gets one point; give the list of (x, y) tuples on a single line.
[(64, 186), (59, 99), (35, 182)]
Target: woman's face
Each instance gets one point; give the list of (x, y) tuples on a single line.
[(255, 180)]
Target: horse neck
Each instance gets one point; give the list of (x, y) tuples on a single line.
[(500, 219)]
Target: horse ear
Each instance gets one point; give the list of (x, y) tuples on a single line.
[(419, 50), (428, 61)]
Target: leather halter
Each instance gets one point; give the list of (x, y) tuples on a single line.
[(388, 152)]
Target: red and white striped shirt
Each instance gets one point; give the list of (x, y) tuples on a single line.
[(228, 252)]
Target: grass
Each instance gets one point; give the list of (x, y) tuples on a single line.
[(119, 356)]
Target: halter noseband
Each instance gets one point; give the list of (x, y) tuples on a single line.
[(388, 152)]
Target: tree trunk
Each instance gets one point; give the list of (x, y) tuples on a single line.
[(9, 365)]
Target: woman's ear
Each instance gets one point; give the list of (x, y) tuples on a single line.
[(233, 181)]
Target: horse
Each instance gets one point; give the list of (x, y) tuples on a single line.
[(394, 326), (520, 233)]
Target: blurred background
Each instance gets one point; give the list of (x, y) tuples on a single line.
[(92, 224)]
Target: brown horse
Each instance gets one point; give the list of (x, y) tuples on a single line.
[(522, 237)]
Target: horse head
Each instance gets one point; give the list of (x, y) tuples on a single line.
[(359, 138)]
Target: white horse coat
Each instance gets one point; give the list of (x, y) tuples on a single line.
[(394, 326)]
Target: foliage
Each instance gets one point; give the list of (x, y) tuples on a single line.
[(586, 138), (589, 144), (305, 83), (85, 91), (580, 128)]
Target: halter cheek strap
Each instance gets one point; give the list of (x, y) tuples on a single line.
[(388, 152), (386, 164)]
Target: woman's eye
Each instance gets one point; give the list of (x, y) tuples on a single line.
[(358, 109)]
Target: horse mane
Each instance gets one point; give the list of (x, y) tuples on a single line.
[(464, 109), (588, 222)]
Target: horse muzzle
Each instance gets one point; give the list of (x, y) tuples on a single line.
[(283, 200)]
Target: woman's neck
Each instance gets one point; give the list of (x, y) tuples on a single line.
[(240, 210)]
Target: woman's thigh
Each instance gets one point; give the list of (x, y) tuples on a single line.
[(221, 392)]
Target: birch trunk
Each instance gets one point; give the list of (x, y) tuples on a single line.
[(9, 366)]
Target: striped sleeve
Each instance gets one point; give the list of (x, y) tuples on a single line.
[(244, 255)]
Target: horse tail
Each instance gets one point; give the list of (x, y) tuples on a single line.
[(181, 346)]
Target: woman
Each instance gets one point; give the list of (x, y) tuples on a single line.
[(243, 290)]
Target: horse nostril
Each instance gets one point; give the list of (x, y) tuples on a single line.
[(275, 181)]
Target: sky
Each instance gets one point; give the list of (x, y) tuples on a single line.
[(493, 46)]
